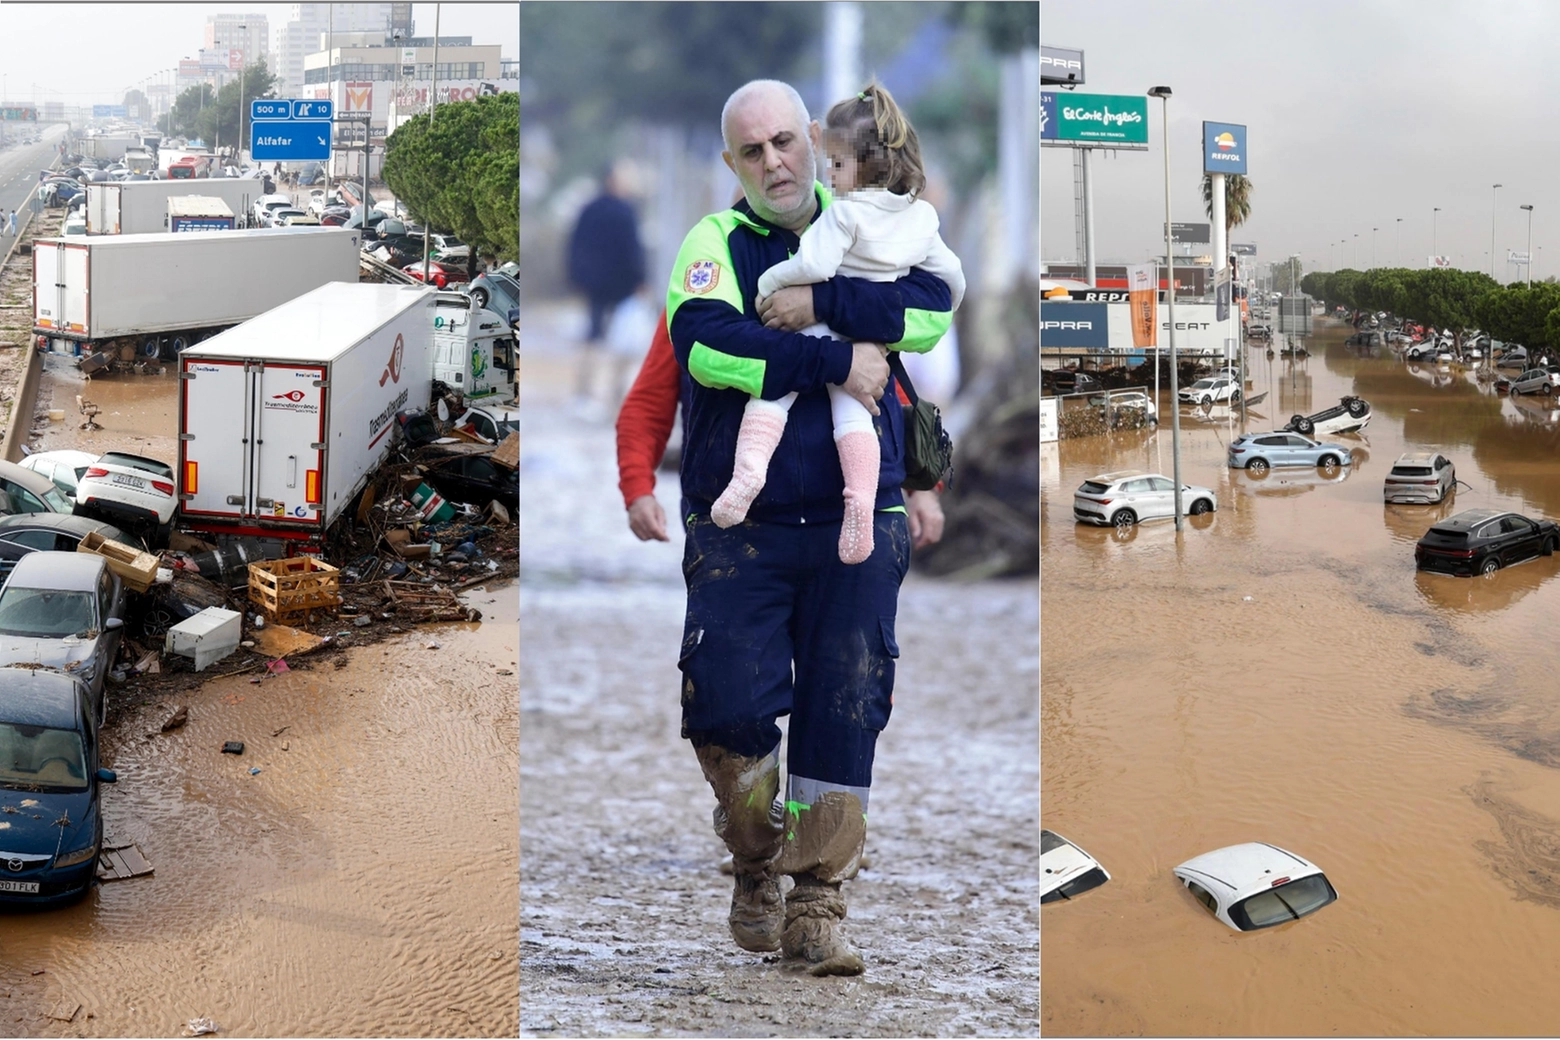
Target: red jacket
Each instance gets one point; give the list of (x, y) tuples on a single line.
[(649, 411)]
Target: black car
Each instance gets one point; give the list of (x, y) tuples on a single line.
[(59, 532), (1070, 381), (473, 478), (1482, 541)]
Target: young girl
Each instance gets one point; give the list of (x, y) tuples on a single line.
[(876, 229)]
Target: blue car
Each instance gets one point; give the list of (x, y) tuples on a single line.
[(498, 293), (1258, 451), (51, 820)]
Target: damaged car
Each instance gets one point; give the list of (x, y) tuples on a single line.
[(66, 611), (1256, 885)]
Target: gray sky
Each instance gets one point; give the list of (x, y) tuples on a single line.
[(89, 53), (1356, 113)]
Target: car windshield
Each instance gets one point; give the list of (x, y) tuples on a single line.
[(1093, 487), (507, 427), (38, 756), (1285, 903), (45, 613), (1202, 384), (1092, 878), (1410, 471)]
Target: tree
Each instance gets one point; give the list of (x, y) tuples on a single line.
[(1237, 200), (1444, 296), (1286, 276), (219, 122), (182, 117), (137, 105), (463, 173), (1519, 314)]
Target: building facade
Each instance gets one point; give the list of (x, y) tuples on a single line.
[(306, 24)]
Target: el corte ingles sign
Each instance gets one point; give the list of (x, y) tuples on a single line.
[(1095, 118)]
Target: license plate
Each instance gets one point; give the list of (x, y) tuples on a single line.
[(29, 887), (124, 481)]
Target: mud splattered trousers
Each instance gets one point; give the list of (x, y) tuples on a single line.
[(777, 625)]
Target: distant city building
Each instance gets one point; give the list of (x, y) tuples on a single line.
[(301, 33), (247, 33)]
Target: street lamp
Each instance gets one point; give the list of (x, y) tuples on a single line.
[(1397, 249), (1435, 249), (1492, 229), (1373, 247), (1163, 94), (1530, 245), (1356, 250)]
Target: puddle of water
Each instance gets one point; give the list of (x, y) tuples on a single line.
[(1399, 729)]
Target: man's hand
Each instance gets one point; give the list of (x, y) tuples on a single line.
[(868, 374), (926, 518), (647, 519), (789, 308)]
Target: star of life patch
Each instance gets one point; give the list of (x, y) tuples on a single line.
[(701, 276)]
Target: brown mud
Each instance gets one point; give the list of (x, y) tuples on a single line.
[(623, 907), (1281, 673)]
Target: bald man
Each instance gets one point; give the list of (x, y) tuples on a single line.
[(776, 624)]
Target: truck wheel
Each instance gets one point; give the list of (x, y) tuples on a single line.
[(151, 348), (479, 297), (178, 343)]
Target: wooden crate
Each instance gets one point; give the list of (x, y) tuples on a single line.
[(291, 590), (137, 570)]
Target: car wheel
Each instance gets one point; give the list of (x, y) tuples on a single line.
[(1235, 397), (156, 622), (1257, 466), (1356, 408), (1123, 519), (1201, 506), (1546, 390), (1328, 462), (1489, 566), (1207, 401), (479, 297), (1303, 425)]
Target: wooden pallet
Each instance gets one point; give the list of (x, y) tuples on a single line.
[(118, 862), (291, 590)]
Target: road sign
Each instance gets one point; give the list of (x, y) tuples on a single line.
[(312, 109), (270, 108), (275, 140)]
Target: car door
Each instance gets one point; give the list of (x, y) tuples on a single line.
[(1519, 539), (1136, 495), (1445, 475), (22, 500), (1297, 450), (1160, 495)]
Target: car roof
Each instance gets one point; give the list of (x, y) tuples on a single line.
[(1417, 457), (1241, 870), (37, 483), (36, 696), (65, 571), (1120, 474), (1471, 518)]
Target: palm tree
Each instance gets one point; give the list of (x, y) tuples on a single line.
[(1237, 199)]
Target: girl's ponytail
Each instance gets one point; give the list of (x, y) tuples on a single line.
[(875, 129)]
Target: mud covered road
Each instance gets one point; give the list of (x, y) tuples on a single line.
[(623, 912), (361, 882), (1284, 675)]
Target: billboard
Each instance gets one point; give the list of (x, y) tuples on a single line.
[(110, 112), (1060, 65), (19, 113), (189, 69), (1438, 261), (1143, 281), (1193, 233), (1224, 148), (1243, 248), (360, 97), (1197, 329), (415, 95), (1074, 325), (1101, 119)]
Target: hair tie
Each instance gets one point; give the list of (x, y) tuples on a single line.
[(862, 96)]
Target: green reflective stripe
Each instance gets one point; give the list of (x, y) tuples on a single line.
[(711, 368), (893, 509), (795, 808), (706, 244), (923, 329)]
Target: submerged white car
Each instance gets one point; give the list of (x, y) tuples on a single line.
[(1065, 869), (1256, 885), (1123, 498)]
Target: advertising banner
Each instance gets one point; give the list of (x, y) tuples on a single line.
[(1191, 233), (360, 97), (1074, 325), (1099, 295), (189, 69), (415, 95), (1143, 285), (1060, 65), (1102, 119), (1438, 261), (1221, 294), (1224, 148), (1243, 248)]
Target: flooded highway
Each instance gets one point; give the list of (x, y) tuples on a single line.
[(352, 873), (1284, 675)]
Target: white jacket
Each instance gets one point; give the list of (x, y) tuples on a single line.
[(873, 234)]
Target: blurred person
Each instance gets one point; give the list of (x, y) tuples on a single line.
[(876, 228), (11, 224), (606, 262), (2, 222), (776, 624)]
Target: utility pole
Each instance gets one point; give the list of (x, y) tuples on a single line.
[(1163, 94), (242, 68), (433, 100), (1492, 229)]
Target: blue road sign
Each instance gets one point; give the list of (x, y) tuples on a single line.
[(274, 140), (265, 108), (312, 109)]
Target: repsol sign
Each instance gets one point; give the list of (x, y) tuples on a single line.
[(1064, 324)]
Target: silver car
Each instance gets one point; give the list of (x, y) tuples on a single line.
[(1536, 381), (1422, 477), (1122, 499), (63, 610)]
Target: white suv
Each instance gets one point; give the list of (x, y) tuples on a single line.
[(1122, 499), (131, 492)]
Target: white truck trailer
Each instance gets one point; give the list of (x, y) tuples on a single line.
[(141, 207), (283, 419), (116, 298)]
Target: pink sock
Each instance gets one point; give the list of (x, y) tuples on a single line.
[(757, 438), (859, 458)]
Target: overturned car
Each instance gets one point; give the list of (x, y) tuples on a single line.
[(1348, 415)]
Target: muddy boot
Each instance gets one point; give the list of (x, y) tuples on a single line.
[(812, 928), (763, 424), (747, 819), (727, 866)]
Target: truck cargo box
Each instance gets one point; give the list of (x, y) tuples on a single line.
[(141, 207)]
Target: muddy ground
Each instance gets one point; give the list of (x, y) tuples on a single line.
[(1281, 673), (623, 911), (360, 881)]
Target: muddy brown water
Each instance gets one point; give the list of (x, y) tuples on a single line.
[(1281, 673), (623, 910), (363, 882)]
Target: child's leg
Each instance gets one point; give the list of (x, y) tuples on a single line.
[(857, 443), (763, 424)]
